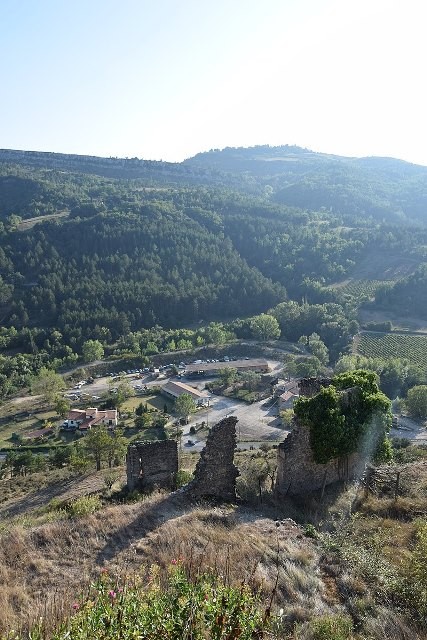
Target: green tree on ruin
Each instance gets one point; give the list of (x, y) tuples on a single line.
[(350, 413)]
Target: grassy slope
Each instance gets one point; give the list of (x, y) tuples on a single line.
[(43, 567)]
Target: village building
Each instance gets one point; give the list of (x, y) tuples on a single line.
[(85, 419), (174, 390), (287, 399)]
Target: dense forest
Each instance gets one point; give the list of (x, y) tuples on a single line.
[(106, 248)]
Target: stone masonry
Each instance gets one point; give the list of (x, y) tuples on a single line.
[(215, 474), (297, 472), (152, 464)]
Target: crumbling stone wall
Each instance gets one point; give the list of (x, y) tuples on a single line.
[(215, 474), (309, 387), (297, 472), (151, 464)]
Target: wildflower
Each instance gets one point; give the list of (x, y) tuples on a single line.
[(76, 606), (174, 561), (104, 571), (112, 594)]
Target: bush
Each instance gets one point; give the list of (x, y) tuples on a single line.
[(329, 627), (182, 477), (310, 531), (167, 606), (84, 506)]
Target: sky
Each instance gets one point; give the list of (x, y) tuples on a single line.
[(166, 79)]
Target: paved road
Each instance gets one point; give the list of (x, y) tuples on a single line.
[(410, 429)]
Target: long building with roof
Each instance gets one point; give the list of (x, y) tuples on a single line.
[(259, 365), (174, 389)]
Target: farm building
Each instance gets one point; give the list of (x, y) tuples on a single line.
[(212, 368), (84, 419), (287, 399), (175, 389)]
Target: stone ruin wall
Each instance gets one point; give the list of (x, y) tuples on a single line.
[(309, 387), (151, 464), (297, 472), (215, 474)]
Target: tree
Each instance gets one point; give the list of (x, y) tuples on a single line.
[(118, 393), (124, 391), (341, 416), (92, 350), (287, 417), (79, 458), (59, 456), (116, 448), (184, 405), (227, 375), (318, 348), (251, 379), (416, 401), (215, 333), (143, 421), (265, 327), (97, 445), (62, 406), (307, 367), (254, 475), (47, 384)]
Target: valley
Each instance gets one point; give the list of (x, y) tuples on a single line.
[(116, 275)]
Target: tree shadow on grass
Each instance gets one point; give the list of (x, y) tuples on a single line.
[(152, 516)]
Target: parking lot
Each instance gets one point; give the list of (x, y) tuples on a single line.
[(257, 422)]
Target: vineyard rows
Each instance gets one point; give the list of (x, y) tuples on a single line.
[(364, 288), (394, 345)]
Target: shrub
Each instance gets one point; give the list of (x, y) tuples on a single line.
[(182, 477), (163, 606), (84, 506), (329, 627), (310, 531)]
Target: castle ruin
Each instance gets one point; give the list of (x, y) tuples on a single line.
[(215, 474), (152, 464), (297, 472)]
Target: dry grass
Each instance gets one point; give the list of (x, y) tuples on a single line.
[(45, 567)]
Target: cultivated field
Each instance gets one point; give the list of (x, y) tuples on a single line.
[(393, 345)]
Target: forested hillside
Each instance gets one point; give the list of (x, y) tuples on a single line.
[(408, 296), (381, 188), (102, 248)]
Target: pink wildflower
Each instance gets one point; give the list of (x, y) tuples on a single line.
[(76, 606), (174, 561), (112, 594)]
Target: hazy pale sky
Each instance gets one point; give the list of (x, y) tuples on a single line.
[(165, 79)]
